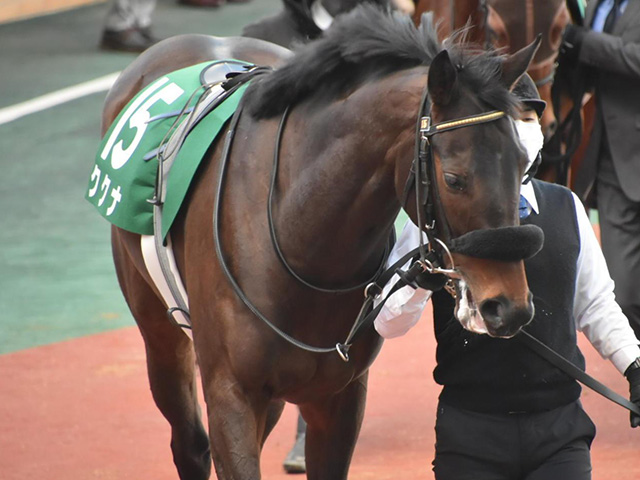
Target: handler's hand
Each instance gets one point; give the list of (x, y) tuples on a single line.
[(571, 44), (431, 281), (633, 375)]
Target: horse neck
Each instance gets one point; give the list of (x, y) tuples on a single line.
[(337, 189)]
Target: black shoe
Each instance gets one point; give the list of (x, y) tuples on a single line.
[(295, 461), (146, 33), (130, 40)]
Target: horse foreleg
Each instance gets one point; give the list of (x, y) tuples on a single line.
[(171, 369), (238, 424), (173, 385), (332, 430)]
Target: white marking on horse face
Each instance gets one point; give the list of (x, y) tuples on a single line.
[(467, 311)]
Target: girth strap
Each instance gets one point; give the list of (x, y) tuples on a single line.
[(178, 309)]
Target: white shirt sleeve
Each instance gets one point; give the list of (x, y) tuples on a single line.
[(595, 309), (404, 308)]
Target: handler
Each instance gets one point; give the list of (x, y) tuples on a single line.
[(608, 52), (504, 412)]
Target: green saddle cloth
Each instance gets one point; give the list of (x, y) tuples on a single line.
[(123, 179)]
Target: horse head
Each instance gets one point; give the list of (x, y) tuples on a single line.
[(476, 168)]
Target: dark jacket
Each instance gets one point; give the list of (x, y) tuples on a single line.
[(616, 60), (294, 24)]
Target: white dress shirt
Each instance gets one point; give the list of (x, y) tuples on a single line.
[(595, 310)]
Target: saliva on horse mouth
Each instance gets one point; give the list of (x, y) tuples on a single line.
[(467, 313), (466, 310)]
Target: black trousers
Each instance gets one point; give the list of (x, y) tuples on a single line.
[(620, 236), (553, 445)]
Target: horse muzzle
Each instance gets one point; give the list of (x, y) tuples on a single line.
[(503, 318), (497, 316), (509, 305)]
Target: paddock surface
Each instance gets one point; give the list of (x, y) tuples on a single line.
[(74, 398)]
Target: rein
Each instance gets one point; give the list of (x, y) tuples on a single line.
[(370, 293), (274, 236), (574, 372)]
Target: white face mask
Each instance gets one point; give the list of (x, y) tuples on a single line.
[(531, 138)]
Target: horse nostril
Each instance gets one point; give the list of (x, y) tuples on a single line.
[(492, 312), (503, 318)]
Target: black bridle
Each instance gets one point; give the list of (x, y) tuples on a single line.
[(422, 179)]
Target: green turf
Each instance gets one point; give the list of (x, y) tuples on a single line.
[(44, 54), (57, 279)]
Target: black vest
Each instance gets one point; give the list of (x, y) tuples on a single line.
[(485, 374)]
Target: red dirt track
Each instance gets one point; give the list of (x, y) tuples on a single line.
[(82, 410)]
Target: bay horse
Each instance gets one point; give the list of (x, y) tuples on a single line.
[(356, 107)]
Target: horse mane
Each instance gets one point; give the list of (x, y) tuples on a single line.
[(367, 43)]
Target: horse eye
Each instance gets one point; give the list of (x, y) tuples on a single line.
[(455, 181)]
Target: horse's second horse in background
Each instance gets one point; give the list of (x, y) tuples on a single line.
[(510, 25)]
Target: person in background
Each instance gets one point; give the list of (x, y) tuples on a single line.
[(127, 27), (503, 411), (608, 51), (295, 460)]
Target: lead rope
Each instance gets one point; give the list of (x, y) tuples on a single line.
[(573, 371)]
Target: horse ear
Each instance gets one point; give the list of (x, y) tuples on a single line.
[(515, 65), (442, 81)]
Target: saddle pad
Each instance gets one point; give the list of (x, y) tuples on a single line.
[(123, 179)]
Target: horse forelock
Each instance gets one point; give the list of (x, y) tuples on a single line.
[(479, 70), (365, 44)]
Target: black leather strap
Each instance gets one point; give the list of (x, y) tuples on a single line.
[(570, 369)]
